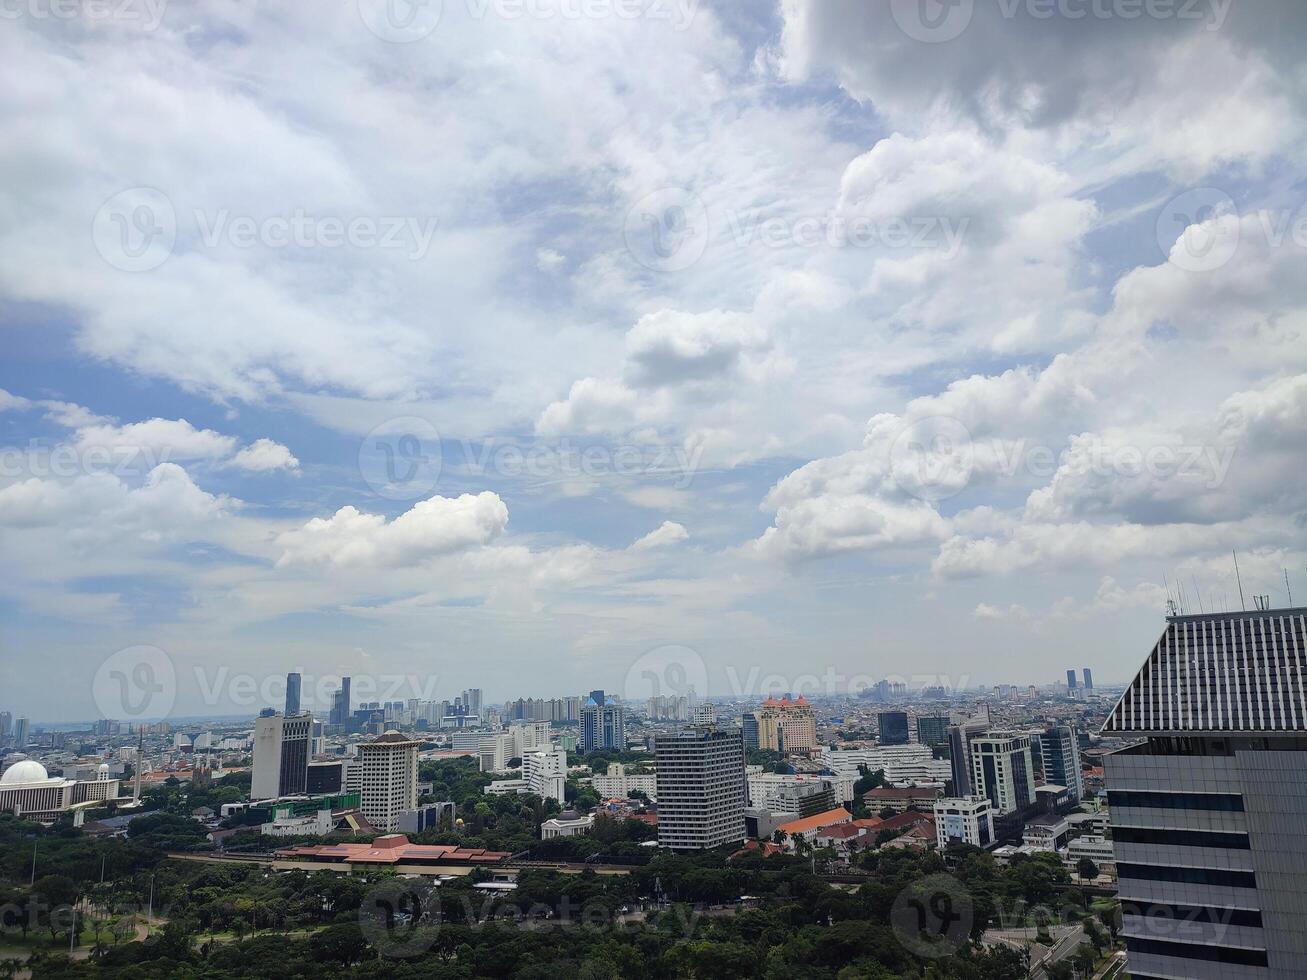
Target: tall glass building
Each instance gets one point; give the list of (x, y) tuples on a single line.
[(1209, 810)]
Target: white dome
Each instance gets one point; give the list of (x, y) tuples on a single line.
[(27, 771)]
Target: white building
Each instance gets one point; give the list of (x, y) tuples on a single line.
[(775, 792), (286, 824), (281, 756), (498, 749), (968, 820), (545, 772), (386, 778), (1003, 769), (700, 787), (28, 790), (902, 764), (619, 784), (567, 825)]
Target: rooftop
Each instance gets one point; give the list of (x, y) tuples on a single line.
[(816, 821)]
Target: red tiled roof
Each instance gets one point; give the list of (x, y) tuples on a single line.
[(765, 848), (394, 849), (908, 819), (816, 821)]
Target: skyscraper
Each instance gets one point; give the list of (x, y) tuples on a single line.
[(1060, 759), (340, 704), (701, 787), (959, 752), (292, 694), (21, 733), (787, 726), (281, 756), (932, 730), (1071, 679), (893, 727), (545, 771), (1003, 770), (749, 724), (603, 723), (1208, 811), (6, 723), (386, 779), (1089, 679)]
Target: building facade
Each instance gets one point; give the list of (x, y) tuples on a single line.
[(787, 726), (965, 820), (545, 772), (281, 756), (893, 727), (603, 723), (701, 787), (386, 778), (1059, 752), (1003, 770), (1208, 811)]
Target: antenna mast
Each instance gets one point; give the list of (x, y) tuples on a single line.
[(1287, 587), (1242, 605)]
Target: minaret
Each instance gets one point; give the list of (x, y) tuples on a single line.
[(140, 760)]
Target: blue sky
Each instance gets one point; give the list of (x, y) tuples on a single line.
[(517, 346)]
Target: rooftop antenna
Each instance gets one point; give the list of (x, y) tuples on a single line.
[(1242, 605), (1200, 595), (1288, 588)]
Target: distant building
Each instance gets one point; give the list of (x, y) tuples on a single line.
[(603, 723), (893, 727), (1089, 679), (749, 723), (965, 820), (787, 726), (325, 777), (293, 682), (281, 756), (568, 824), (701, 787), (1003, 770), (705, 713), (932, 730), (791, 796), (620, 784), (899, 763), (807, 828), (1071, 679), (28, 790), (545, 772), (21, 733), (340, 704), (432, 816), (960, 738), (386, 778), (1060, 759)]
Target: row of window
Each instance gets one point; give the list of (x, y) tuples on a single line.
[(1190, 951), (1228, 802), (1189, 876), (1205, 914), (1189, 838)]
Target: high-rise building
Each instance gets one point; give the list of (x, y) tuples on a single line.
[(749, 724), (701, 787), (21, 733), (1208, 810), (603, 723), (1059, 759), (960, 738), (968, 820), (1071, 679), (932, 730), (787, 726), (705, 713), (340, 704), (6, 723), (1003, 770), (386, 778), (545, 772), (893, 727), (281, 756), (1089, 679), (293, 682)]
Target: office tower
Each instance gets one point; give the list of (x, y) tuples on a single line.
[(701, 788), (325, 777), (1003, 770), (545, 772), (281, 756), (1089, 679), (6, 723), (603, 723), (340, 711), (1060, 759), (749, 723), (21, 733), (292, 694), (1071, 679), (385, 776), (893, 727), (932, 730), (705, 714), (960, 738), (472, 701), (787, 726), (965, 820), (1208, 811)]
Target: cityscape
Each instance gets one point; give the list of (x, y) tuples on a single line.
[(653, 489)]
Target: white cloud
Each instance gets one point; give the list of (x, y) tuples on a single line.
[(263, 455), (666, 534)]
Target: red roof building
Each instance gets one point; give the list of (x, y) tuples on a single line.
[(392, 849)]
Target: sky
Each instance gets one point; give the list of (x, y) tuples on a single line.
[(549, 345)]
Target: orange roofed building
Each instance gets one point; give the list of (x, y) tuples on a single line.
[(391, 850), (787, 726), (809, 827)]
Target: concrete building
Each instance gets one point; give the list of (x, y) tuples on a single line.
[(28, 790), (545, 772), (701, 787), (386, 779), (281, 756), (893, 726), (965, 820), (787, 726), (1059, 753), (932, 730), (749, 726), (569, 824), (791, 796), (603, 723), (1003, 770), (1208, 810), (432, 816), (902, 764), (960, 737), (620, 783)]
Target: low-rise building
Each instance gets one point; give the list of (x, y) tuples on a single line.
[(568, 824), (965, 820)]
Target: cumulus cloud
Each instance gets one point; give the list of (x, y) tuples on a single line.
[(431, 528), (263, 455), (666, 534)]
